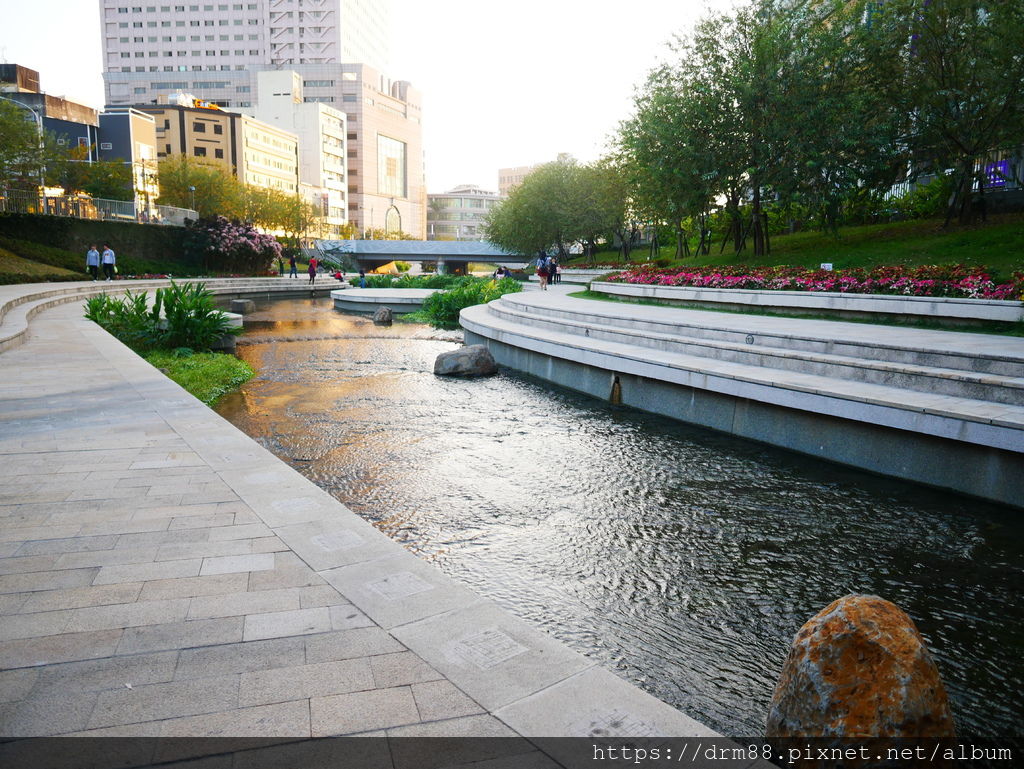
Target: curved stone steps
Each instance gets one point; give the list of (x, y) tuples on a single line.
[(981, 422), (943, 349), (948, 381)]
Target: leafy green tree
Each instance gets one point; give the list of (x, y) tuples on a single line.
[(21, 153), (217, 191), (955, 68)]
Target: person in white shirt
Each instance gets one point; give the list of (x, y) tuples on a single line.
[(109, 260)]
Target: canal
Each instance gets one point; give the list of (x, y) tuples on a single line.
[(682, 559)]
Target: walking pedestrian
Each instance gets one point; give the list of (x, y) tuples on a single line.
[(312, 271), (109, 260), (293, 269), (92, 262), (542, 270), (553, 269), (362, 279)]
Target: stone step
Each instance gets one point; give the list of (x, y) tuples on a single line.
[(979, 353), (981, 422), (931, 379)]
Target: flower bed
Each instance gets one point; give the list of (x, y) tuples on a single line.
[(957, 280)]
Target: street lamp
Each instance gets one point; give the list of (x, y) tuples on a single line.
[(39, 123), (192, 197)]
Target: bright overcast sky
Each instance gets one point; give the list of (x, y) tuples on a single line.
[(504, 83)]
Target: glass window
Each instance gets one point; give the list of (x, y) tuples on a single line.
[(390, 166), (199, 128), (200, 152)]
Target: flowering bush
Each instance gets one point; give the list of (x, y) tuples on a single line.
[(953, 280), (231, 246)]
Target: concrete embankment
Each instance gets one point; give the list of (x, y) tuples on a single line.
[(936, 407)]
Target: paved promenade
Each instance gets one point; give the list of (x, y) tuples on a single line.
[(162, 574)]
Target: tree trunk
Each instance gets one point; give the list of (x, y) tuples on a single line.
[(757, 224)]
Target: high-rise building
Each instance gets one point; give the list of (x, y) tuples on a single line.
[(214, 49), (339, 47)]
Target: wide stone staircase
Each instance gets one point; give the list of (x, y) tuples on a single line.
[(961, 386)]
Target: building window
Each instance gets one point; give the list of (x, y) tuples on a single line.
[(390, 167), (218, 128), (218, 153), (199, 128), (199, 152)]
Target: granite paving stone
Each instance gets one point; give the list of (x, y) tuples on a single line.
[(70, 545), (48, 650), (362, 711), (16, 684), (316, 680), (129, 615), (187, 587), (347, 644), (47, 623), (106, 673), (401, 669), (181, 635), (241, 603), (245, 657), (52, 580), (236, 563), (287, 623), (81, 597), (153, 702), (45, 716), (289, 719), (147, 571)]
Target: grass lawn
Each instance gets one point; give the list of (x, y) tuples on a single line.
[(997, 244), (12, 264), (206, 375)]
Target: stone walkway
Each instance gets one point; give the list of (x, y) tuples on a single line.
[(162, 574)]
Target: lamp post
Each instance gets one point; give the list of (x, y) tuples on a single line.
[(39, 123), (192, 197)]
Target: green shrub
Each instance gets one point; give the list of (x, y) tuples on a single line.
[(182, 316), (442, 309), (403, 266)]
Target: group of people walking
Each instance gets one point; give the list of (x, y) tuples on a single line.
[(94, 259), (548, 270)]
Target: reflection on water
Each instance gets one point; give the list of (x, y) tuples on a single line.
[(683, 559)]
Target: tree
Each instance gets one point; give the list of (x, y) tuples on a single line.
[(108, 179), (558, 205), (21, 153), (217, 191), (955, 68)]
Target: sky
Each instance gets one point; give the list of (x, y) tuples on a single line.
[(504, 83)]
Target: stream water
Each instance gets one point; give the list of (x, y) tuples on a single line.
[(682, 559)]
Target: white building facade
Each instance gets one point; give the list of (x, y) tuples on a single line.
[(321, 131), (214, 49)]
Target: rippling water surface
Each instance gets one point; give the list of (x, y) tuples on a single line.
[(683, 559)]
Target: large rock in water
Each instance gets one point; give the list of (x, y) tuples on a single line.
[(859, 669), (473, 360), (383, 316)]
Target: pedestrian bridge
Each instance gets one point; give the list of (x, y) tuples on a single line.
[(450, 255)]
